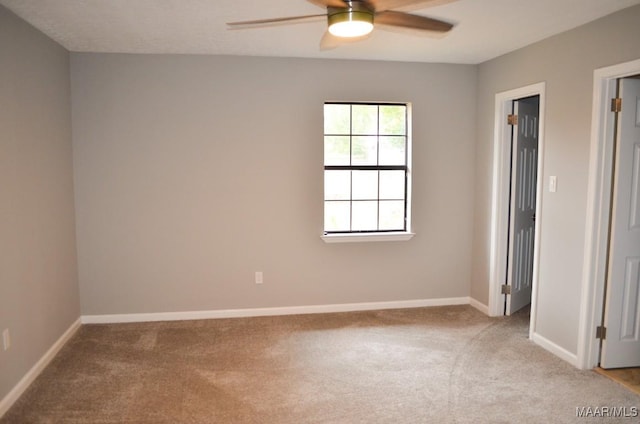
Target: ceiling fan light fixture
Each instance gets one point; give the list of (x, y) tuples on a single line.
[(355, 21), (355, 18)]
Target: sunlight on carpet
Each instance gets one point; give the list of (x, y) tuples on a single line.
[(628, 377)]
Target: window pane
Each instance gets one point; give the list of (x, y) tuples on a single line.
[(337, 185), (337, 216), (365, 216), (391, 184), (391, 215), (364, 185), (364, 150), (365, 119), (393, 150), (336, 150), (337, 119), (393, 120)]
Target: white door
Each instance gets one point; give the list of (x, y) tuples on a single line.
[(621, 346), (523, 204)]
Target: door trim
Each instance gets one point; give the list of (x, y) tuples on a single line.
[(598, 205), (500, 201)]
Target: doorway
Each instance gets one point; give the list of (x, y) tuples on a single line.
[(524, 121), (599, 215), (501, 204), (621, 308)]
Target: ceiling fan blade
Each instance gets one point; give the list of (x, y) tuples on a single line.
[(329, 3), (382, 5), (407, 20), (276, 20)]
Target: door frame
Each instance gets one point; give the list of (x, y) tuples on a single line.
[(598, 209), (500, 202)]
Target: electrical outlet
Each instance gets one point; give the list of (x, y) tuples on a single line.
[(6, 339), (259, 279)]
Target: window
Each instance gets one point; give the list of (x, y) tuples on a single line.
[(366, 168)]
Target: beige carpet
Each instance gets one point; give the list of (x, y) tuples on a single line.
[(425, 365)]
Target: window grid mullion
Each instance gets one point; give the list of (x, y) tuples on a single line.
[(378, 163), (351, 164), (350, 200), (365, 168), (378, 204)]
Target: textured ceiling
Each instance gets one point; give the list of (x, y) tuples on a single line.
[(484, 28)]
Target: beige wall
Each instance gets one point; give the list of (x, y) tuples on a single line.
[(192, 172), (566, 63), (38, 278)]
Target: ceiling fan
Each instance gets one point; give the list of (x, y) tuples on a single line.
[(354, 19)]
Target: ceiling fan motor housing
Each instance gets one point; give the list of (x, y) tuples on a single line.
[(355, 12)]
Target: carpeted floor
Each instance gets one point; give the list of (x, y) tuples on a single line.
[(424, 365)]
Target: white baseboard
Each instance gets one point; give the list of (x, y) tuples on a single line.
[(560, 352), (35, 371), (479, 306), (257, 312)]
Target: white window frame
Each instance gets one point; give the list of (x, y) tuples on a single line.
[(382, 235)]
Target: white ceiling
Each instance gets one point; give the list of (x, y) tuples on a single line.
[(484, 28)]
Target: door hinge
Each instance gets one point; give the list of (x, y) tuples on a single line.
[(512, 119), (506, 289), (616, 105), (601, 332)]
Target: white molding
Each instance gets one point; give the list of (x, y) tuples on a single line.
[(598, 203), (257, 312), (559, 351), (367, 237), (35, 371), (500, 200), (479, 306)]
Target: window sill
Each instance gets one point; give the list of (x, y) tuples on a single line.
[(368, 237)]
